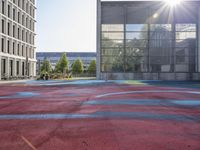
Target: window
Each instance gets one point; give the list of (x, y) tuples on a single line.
[(27, 22), (18, 49), (23, 2), (9, 11), (185, 47), (132, 40), (8, 47), (3, 70), (23, 68), (22, 35), (26, 36), (17, 67), (8, 28), (19, 3), (3, 7), (18, 17), (3, 25), (22, 50), (2, 45), (13, 30), (18, 33), (23, 19), (14, 14), (13, 48)]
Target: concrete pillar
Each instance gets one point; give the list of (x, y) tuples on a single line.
[(20, 68), (198, 52), (14, 68), (7, 67), (0, 68), (98, 42)]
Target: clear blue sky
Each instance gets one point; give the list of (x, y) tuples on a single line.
[(66, 25)]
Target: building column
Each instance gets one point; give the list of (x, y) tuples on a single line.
[(98, 57), (14, 68), (198, 51), (34, 69), (0, 68), (7, 67), (20, 68), (30, 69)]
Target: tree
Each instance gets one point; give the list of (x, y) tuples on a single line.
[(63, 64), (46, 66), (57, 67), (77, 67), (92, 67)]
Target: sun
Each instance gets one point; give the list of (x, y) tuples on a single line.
[(173, 3)]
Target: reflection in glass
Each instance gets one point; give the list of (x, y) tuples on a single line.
[(112, 27), (131, 51), (111, 51), (160, 27), (136, 43), (186, 27), (113, 35), (136, 35), (136, 27), (160, 35), (135, 64), (185, 35), (112, 43)]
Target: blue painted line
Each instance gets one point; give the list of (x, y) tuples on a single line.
[(66, 82), (101, 115), (149, 102), (71, 95), (21, 95)]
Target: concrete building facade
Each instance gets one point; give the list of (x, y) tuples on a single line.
[(148, 40), (17, 34)]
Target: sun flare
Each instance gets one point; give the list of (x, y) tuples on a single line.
[(173, 3)]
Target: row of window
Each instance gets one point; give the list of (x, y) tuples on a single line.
[(144, 35), (21, 5), (22, 19), (153, 68), (144, 27), (17, 32), (156, 31), (143, 51), (16, 48), (162, 60), (19, 65)]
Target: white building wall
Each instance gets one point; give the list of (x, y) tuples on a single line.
[(19, 30), (98, 69), (198, 40)]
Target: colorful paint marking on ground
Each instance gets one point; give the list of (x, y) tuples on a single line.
[(100, 115)]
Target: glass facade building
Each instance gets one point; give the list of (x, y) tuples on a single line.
[(148, 40)]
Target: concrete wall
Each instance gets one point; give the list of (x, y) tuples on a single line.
[(98, 69), (150, 76), (198, 53)]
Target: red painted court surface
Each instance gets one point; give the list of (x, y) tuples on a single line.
[(98, 115)]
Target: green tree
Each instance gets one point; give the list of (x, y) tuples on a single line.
[(77, 67), (57, 67), (92, 67), (46, 66), (63, 64)]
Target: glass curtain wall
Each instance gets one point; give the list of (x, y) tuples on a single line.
[(148, 38)]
